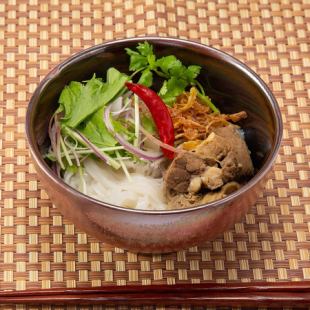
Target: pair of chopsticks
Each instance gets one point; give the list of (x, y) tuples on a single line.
[(256, 294)]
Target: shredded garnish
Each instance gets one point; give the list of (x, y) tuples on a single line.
[(193, 120), (190, 100)]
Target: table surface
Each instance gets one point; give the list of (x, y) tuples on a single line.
[(41, 249)]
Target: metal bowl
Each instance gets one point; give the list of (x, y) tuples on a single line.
[(232, 86)]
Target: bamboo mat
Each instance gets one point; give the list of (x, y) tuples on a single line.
[(41, 249)]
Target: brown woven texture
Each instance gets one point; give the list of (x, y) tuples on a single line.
[(40, 249)]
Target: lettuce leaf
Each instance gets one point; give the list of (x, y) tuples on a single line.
[(95, 130), (79, 100)]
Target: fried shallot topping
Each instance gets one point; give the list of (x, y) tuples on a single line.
[(194, 121)]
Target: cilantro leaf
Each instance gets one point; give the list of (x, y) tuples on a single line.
[(171, 89), (163, 89), (141, 58), (146, 78), (152, 61), (137, 61), (145, 48), (177, 76), (169, 65), (191, 73), (180, 77)]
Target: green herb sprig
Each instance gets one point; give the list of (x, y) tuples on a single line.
[(177, 77)]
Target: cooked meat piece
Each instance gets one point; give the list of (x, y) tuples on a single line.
[(238, 163), (223, 192), (226, 146), (212, 178), (178, 202), (230, 187), (182, 201), (192, 162), (221, 158), (214, 148), (230, 167), (178, 176), (179, 180)]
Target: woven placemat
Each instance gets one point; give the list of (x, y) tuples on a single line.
[(40, 249)]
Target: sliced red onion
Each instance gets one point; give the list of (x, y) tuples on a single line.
[(55, 135), (52, 132), (58, 144), (58, 170), (54, 167), (128, 146), (52, 136), (128, 114)]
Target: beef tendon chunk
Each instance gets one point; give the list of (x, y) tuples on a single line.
[(210, 171), (239, 152), (179, 174), (212, 178), (227, 189)]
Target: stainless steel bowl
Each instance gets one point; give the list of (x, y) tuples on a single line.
[(231, 85)]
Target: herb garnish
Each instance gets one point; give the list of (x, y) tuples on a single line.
[(177, 76)]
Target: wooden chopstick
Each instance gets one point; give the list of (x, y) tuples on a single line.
[(257, 294)]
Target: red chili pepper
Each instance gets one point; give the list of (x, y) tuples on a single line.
[(160, 114)]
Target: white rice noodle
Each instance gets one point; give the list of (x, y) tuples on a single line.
[(111, 186)]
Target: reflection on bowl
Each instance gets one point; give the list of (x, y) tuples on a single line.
[(232, 85)]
